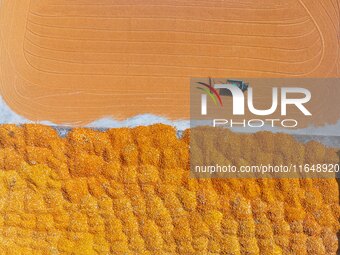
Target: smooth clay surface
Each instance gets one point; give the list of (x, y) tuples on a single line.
[(76, 61)]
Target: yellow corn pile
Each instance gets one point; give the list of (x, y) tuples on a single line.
[(128, 191)]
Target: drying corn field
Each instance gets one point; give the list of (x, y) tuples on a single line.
[(128, 191), (76, 61)]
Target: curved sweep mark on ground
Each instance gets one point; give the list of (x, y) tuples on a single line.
[(64, 78)]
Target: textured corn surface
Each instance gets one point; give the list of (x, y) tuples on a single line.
[(128, 191)]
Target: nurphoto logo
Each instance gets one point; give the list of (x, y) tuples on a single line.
[(243, 96)]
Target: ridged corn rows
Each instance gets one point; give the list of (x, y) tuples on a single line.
[(128, 191)]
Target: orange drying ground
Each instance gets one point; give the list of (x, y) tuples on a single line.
[(76, 61), (127, 191)]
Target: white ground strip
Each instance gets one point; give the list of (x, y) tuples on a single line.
[(8, 116)]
